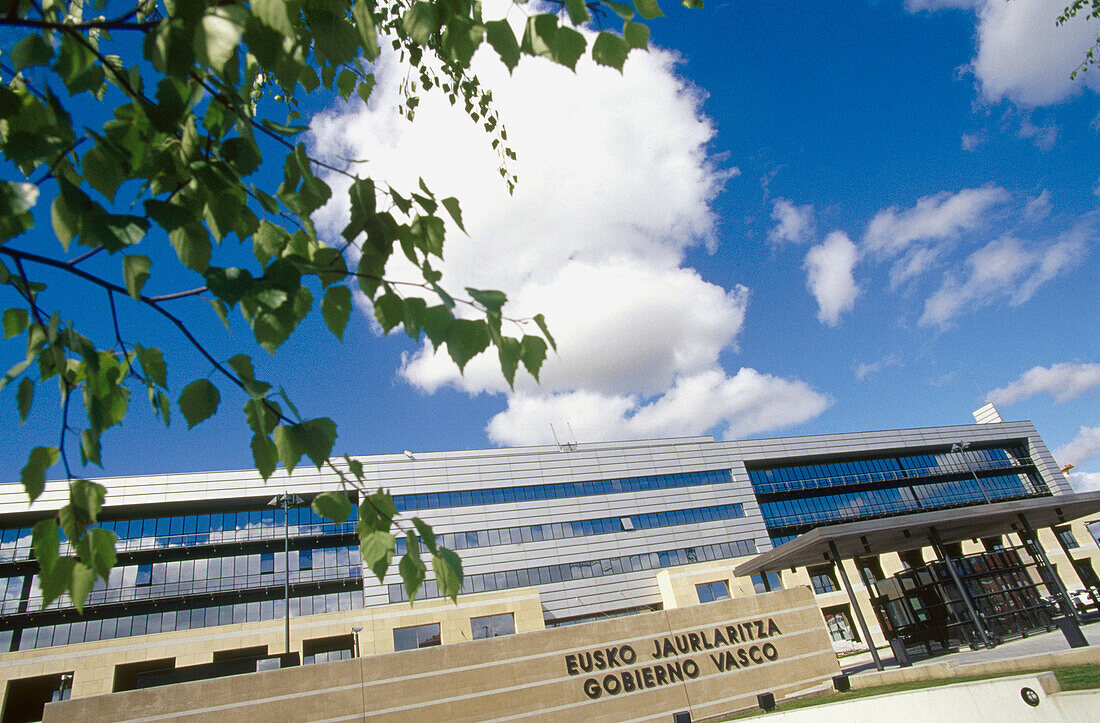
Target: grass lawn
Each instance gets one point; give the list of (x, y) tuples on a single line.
[(1072, 677)]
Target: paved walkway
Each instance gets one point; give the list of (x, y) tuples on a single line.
[(1031, 645)]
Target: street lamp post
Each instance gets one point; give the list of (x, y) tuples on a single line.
[(286, 500), (355, 638)]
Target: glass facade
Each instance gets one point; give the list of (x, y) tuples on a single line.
[(581, 528), (180, 572), (794, 499), (568, 571), (566, 490)]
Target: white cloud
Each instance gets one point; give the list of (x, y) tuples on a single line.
[(1096, 191), (1021, 54), (1085, 481), (866, 369), (1044, 137), (1083, 448), (1007, 267), (1039, 207), (936, 217), (1062, 381), (615, 185), (747, 403), (971, 141), (918, 238), (829, 276), (792, 223)]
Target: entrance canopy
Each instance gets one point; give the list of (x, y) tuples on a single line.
[(909, 532)]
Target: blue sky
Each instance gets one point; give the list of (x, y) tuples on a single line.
[(838, 217)]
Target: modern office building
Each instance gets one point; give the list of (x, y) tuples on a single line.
[(548, 536)]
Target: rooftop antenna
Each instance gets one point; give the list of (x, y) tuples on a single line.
[(573, 436), (981, 394)]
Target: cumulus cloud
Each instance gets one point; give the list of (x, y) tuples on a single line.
[(1007, 268), (1085, 481), (792, 223), (1021, 55), (747, 403), (829, 267), (1063, 381), (1083, 448), (615, 185)]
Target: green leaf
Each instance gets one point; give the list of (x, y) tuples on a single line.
[(569, 46), (31, 50), (66, 224), (101, 544), (448, 573), (540, 320), (336, 309), (648, 9), (377, 511), (152, 364), (34, 472), (16, 202), (333, 506), (413, 572), (500, 36), (16, 322), (420, 23), (636, 35), (365, 87), (264, 454), (217, 35), (198, 401), (466, 339), (377, 550), (24, 396), (610, 50), (368, 34), (273, 14), (57, 580), (81, 580), (135, 269), (492, 300), (451, 204), (313, 439), (102, 172), (578, 13), (538, 35), (46, 542), (623, 10), (424, 530), (532, 354), (355, 466), (87, 498)]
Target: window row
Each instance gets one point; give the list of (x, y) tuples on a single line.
[(187, 530), (190, 577), (568, 571), (427, 635), (581, 528), (163, 622), (565, 490), (873, 503), (782, 479)]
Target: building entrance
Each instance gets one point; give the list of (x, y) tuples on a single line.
[(922, 605)]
